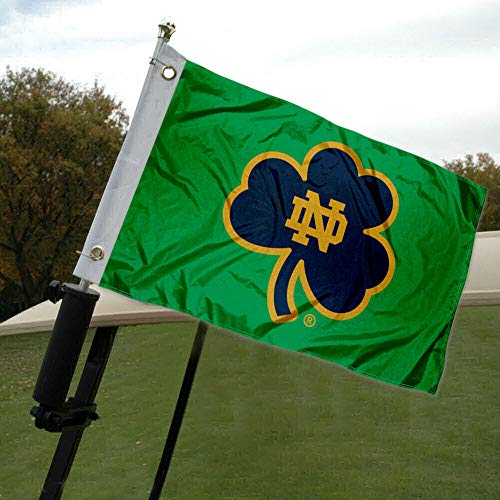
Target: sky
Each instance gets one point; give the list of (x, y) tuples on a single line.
[(423, 76)]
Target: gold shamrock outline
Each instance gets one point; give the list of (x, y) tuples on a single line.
[(299, 270)]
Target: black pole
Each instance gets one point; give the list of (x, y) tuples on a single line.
[(65, 343), (84, 398), (180, 408)]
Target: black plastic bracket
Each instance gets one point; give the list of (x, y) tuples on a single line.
[(55, 413), (73, 416)]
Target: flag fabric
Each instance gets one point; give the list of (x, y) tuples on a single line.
[(258, 216)]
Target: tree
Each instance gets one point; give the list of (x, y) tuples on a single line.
[(58, 143), (486, 172)]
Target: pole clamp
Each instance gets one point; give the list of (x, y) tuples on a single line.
[(73, 416)]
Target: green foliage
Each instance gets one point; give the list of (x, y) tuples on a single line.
[(58, 143), (486, 172)]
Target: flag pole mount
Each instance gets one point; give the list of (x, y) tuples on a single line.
[(167, 29)]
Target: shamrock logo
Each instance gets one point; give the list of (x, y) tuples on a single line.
[(323, 219)]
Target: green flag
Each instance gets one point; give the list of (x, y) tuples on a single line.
[(258, 216)]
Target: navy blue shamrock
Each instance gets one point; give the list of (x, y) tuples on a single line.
[(323, 218)]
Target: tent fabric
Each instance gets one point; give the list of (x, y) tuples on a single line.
[(112, 309), (482, 287)]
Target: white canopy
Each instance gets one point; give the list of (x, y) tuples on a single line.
[(112, 309), (482, 287)]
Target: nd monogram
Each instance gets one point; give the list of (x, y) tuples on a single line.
[(331, 198), (303, 213)]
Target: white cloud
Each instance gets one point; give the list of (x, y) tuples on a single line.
[(414, 75)]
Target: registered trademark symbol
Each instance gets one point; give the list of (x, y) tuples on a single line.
[(309, 320)]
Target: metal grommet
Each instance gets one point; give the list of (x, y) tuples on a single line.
[(97, 252), (168, 72)]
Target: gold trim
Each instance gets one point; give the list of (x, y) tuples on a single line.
[(299, 271)]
